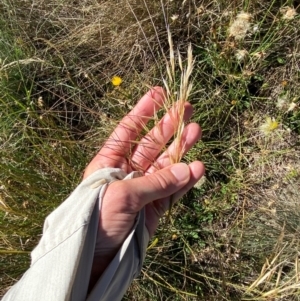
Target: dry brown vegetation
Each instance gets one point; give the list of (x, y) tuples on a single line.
[(235, 237)]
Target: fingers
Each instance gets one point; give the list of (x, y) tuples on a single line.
[(115, 149), (191, 134), (197, 170), (130, 126), (162, 184), (151, 145), (156, 209)]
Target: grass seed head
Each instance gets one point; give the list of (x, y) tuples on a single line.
[(176, 96), (40, 102)]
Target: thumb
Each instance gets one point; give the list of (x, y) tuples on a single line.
[(158, 185)]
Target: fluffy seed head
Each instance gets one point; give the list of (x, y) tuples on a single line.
[(269, 126), (288, 13), (241, 54), (240, 26), (282, 102)]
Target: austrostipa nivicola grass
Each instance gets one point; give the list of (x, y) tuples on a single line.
[(177, 93)]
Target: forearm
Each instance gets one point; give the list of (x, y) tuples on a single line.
[(62, 262)]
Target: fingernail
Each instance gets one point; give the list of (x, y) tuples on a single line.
[(181, 172)]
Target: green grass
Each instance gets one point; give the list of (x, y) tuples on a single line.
[(235, 237)]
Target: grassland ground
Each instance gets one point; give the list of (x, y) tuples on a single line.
[(235, 236)]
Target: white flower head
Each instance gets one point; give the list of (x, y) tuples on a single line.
[(282, 102), (174, 17), (241, 54), (240, 26), (292, 106), (288, 13), (255, 28)]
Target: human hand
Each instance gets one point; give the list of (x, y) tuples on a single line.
[(153, 190)]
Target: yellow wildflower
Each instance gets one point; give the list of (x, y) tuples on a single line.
[(116, 80), (174, 237), (270, 125)]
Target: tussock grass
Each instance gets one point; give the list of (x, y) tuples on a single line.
[(235, 237)]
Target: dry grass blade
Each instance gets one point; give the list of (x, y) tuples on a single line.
[(21, 62), (273, 281), (176, 97), (267, 270)]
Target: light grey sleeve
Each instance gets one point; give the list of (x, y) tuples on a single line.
[(61, 263)]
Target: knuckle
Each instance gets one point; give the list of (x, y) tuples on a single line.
[(160, 182)]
